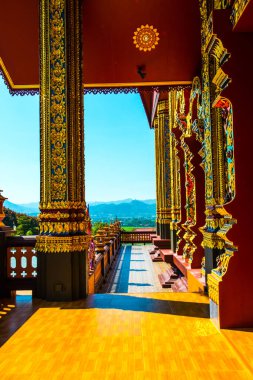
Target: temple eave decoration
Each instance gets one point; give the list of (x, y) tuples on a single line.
[(17, 89)]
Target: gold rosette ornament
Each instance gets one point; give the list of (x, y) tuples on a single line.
[(146, 38)]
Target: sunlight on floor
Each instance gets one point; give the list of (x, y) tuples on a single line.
[(115, 342)]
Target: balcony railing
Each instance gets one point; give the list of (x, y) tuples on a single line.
[(19, 262), (21, 257), (137, 236)]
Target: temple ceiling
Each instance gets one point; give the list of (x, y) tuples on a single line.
[(139, 42), (117, 41)]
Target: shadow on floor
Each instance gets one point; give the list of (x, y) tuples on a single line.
[(26, 306), (151, 305), (137, 270)]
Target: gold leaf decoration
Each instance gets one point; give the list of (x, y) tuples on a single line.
[(146, 38)]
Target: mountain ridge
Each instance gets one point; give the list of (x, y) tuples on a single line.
[(127, 208)]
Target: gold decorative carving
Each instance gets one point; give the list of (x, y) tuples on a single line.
[(197, 124), (211, 240), (221, 80), (76, 205), (218, 150), (162, 164), (218, 55), (190, 189), (222, 4), (58, 103), (238, 8), (206, 14), (56, 244), (213, 287), (191, 129), (146, 38), (176, 104), (157, 171), (63, 218)]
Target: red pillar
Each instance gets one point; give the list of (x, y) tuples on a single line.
[(236, 288)]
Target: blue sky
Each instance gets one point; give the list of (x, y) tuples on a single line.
[(119, 148)]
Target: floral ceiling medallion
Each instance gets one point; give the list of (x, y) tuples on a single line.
[(146, 38)]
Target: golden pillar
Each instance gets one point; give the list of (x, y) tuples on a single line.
[(62, 242), (218, 157), (176, 177), (157, 165), (162, 171)]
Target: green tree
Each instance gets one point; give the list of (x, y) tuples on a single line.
[(10, 217), (27, 225), (96, 226)]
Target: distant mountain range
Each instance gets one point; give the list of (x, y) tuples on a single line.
[(121, 210), (28, 208), (127, 208)]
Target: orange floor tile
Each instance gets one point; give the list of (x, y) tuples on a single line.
[(126, 337)]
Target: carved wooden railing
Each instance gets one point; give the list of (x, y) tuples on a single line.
[(137, 236), (18, 264), (21, 263), (21, 257)]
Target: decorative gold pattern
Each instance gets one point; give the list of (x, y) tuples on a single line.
[(190, 189), (56, 244), (58, 103), (162, 164), (157, 169), (63, 220), (238, 8), (226, 110), (146, 38), (211, 240), (197, 124), (222, 4), (191, 129), (62, 205), (218, 55), (218, 162), (213, 288), (176, 104)]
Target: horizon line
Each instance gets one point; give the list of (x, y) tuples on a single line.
[(100, 201)]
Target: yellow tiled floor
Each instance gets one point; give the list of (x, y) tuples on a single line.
[(113, 341)]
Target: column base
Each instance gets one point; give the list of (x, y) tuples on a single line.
[(62, 276)]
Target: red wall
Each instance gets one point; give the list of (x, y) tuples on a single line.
[(236, 290)]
